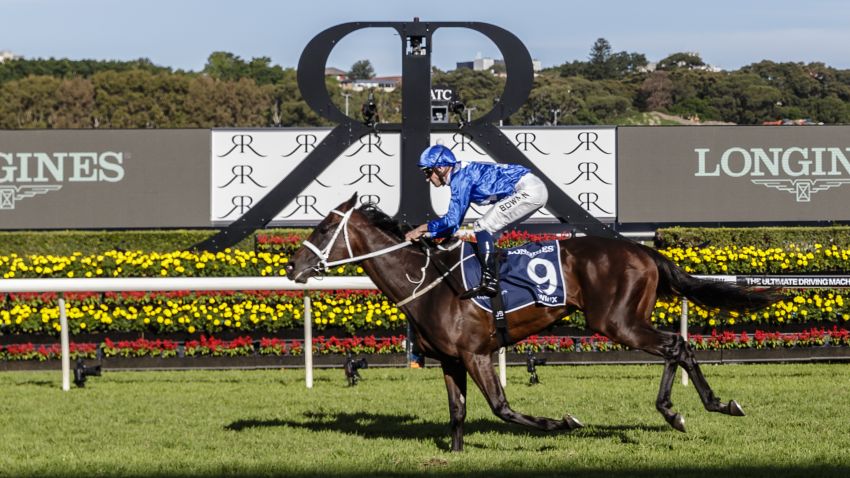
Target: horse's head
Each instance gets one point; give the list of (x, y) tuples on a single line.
[(328, 241)]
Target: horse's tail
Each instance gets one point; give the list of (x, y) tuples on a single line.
[(709, 294)]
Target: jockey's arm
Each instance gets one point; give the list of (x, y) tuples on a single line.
[(419, 231)]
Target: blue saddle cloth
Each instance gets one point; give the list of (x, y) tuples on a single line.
[(528, 274)]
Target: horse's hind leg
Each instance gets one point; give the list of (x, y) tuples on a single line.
[(454, 374), (675, 351), (480, 368), (684, 355), (663, 344), (663, 403)]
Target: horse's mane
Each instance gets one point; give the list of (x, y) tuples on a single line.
[(384, 222)]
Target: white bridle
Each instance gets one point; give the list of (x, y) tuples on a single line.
[(324, 254)]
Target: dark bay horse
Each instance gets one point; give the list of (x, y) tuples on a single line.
[(615, 283)]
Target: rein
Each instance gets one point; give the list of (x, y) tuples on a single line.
[(445, 272)]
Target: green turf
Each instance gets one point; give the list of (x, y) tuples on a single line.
[(395, 423)]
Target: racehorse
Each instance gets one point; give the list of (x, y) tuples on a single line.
[(614, 282)]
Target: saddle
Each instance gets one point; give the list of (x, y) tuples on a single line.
[(530, 274)]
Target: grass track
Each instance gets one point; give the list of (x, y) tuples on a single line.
[(395, 423)]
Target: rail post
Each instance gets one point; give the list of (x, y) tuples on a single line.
[(308, 340), (66, 344), (683, 329)]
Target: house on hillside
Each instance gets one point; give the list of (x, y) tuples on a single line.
[(336, 73), (497, 67), (386, 83), (7, 55)]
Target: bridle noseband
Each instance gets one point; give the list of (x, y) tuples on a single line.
[(324, 254)]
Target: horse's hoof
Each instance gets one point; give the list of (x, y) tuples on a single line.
[(677, 421), (572, 422), (735, 410)]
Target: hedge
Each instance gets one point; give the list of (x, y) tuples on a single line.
[(804, 237), (65, 243), (285, 240)]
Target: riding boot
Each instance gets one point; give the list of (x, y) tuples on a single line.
[(485, 252)]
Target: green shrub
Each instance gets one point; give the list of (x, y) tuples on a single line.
[(65, 243), (761, 237)]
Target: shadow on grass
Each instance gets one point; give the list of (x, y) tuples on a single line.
[(693, 471), (35, 383), (383, 426)]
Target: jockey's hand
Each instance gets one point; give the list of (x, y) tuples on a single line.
[(415, 234)]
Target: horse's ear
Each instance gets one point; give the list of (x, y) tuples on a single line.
[(351, 202)]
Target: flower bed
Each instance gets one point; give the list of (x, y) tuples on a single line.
[(206, 346), (42, 352), (358, 312), (354, 311), (717, 340), (208, 313), (371, 345)]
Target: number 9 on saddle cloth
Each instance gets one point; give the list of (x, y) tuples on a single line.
[(528, 274)]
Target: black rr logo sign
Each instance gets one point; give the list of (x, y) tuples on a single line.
[(415, 130)]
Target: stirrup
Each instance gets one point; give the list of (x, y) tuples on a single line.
[(476, 291), (487, 288)]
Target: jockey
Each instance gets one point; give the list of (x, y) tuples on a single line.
[(511, 189)]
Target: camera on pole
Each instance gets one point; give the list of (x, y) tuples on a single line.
[(531, 363), (351, 367), (82, 372), (370, 111)]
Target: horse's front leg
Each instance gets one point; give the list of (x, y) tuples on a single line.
[(481, 370), (455, 375)]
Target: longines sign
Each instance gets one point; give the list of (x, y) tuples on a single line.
[(734, 174), (80, 179), (801, 171), (247, 163), (27, 174)]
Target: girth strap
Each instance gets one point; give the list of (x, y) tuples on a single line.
[(499, 308)]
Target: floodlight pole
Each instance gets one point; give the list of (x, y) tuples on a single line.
[(347, 96)]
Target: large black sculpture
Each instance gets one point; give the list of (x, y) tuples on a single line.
[(415, 128)]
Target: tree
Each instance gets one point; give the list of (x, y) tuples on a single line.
[(675, 61), (262, 71), (64, 68), (140, 99), (29, 103), (573, 68), (222, 65), (656, 92), (604, 64), (75, 103), (361, 70), (623, 63), (599, 66), (214, 103)]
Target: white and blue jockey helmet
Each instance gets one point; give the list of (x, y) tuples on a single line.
[(435, 156)]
